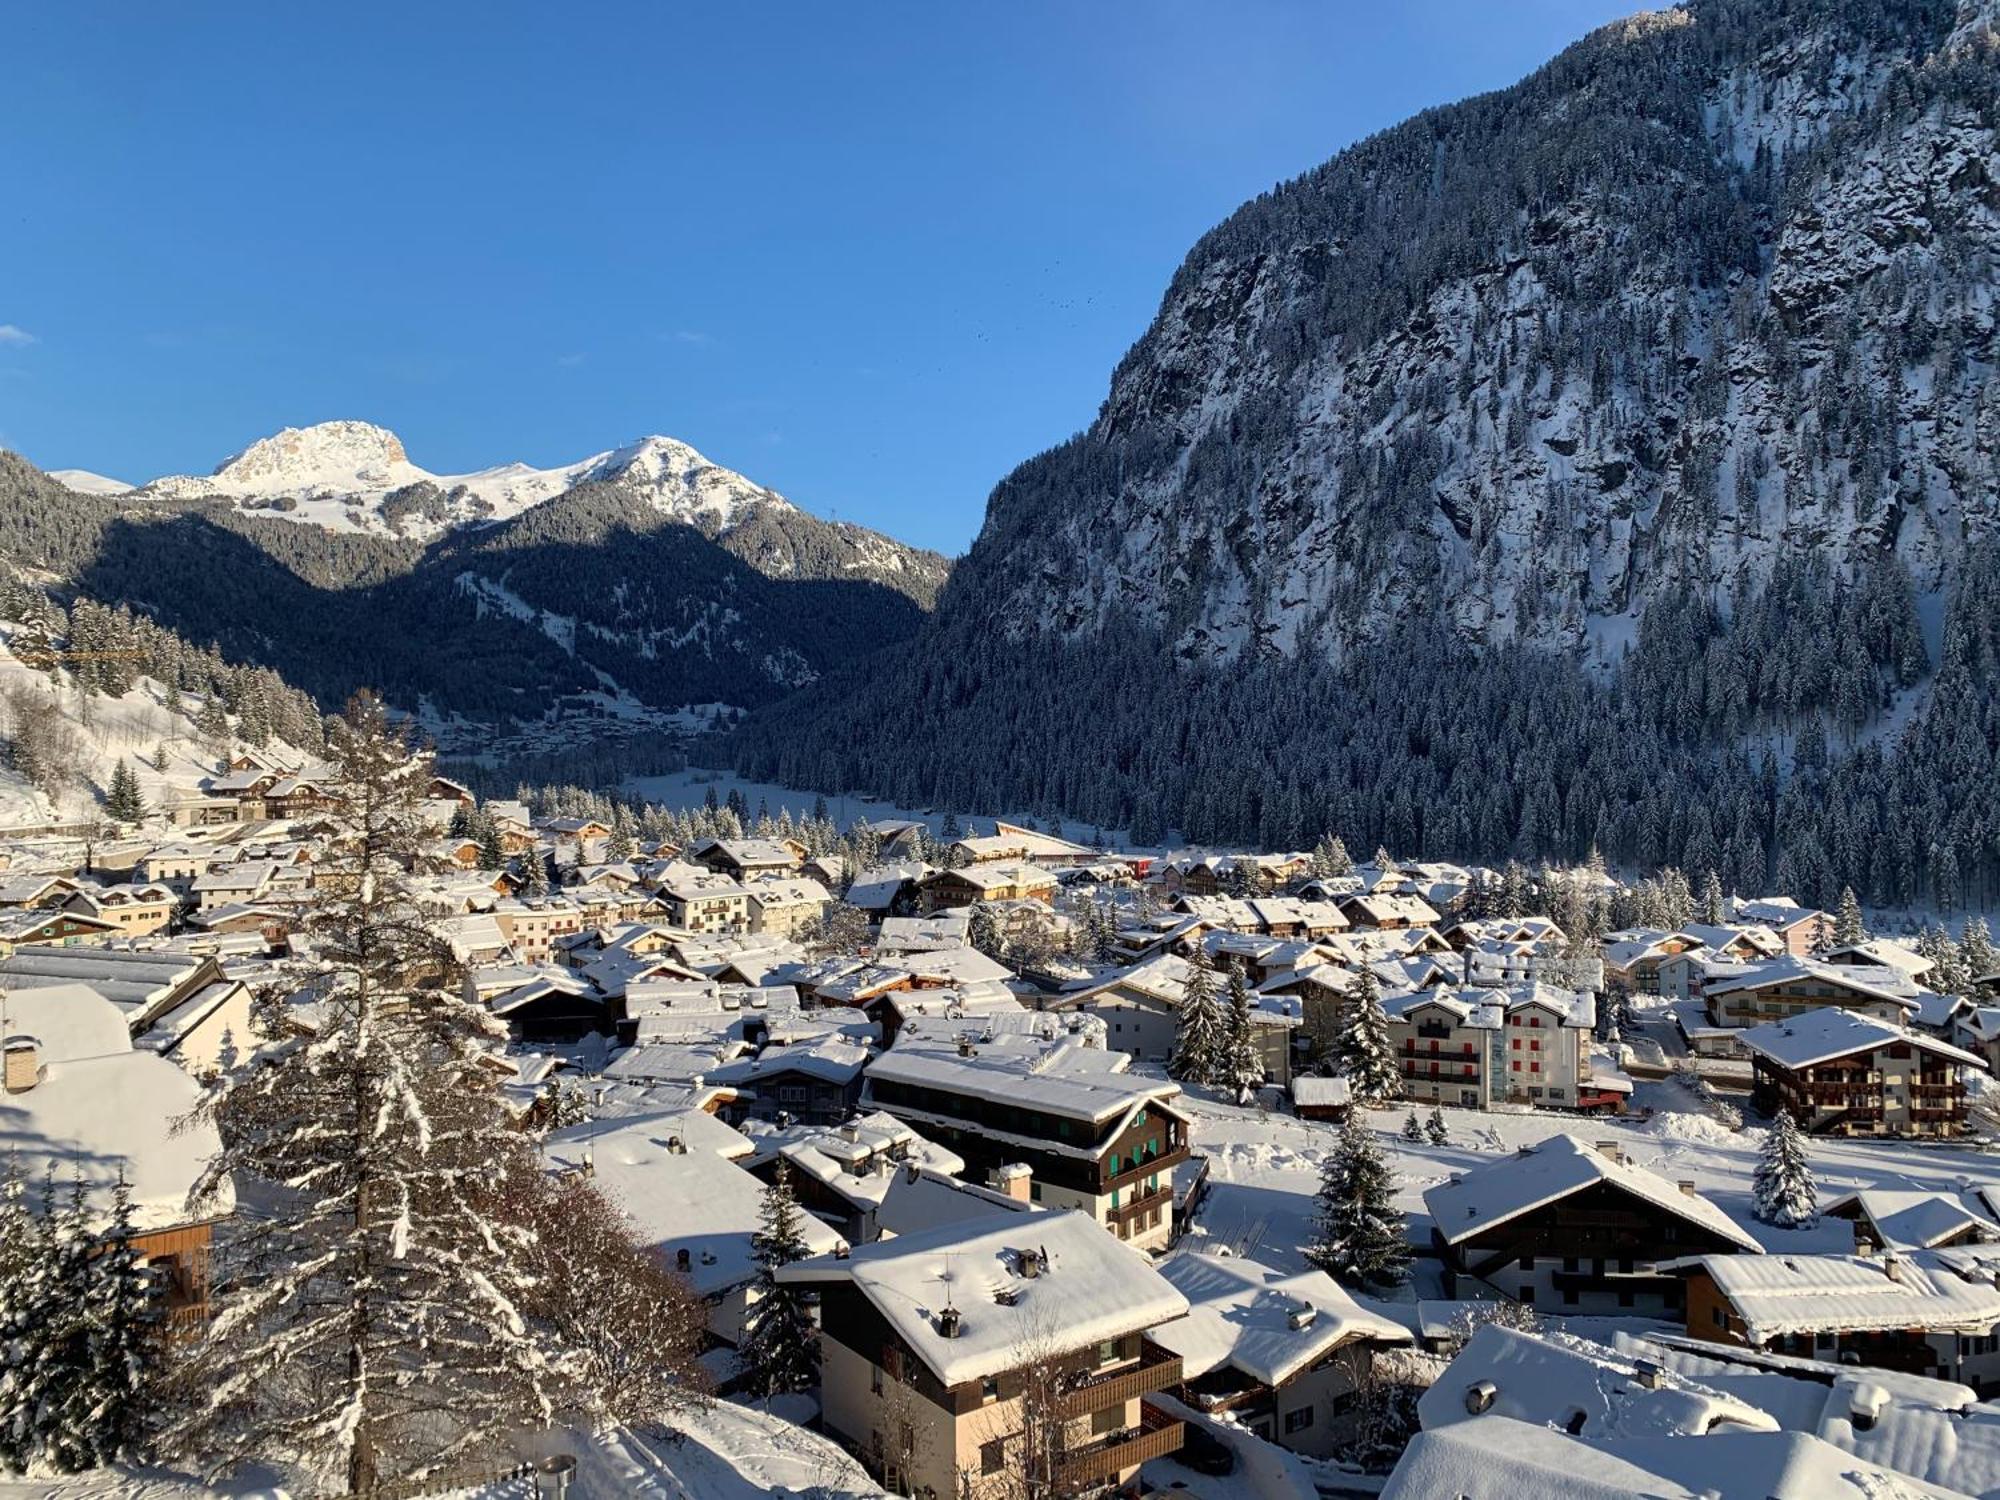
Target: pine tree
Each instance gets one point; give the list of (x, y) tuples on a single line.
[(779, 1342), (1435, 1129), (1975, 952), (122, 1346), (1713, 911), (371, 1322), (1847, 924), (1198, 1039), (492, 853), (1241, 1069), (123, 801), (622, 845), (1412, 1130), (1358, 1233), (212, 724), (982, 930), (1366, 1057), (23, 1262), (1783, 1191)]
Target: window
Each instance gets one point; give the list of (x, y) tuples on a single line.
[(1107, 1351), (989, 1390), (1300, 1420), (992, 1457), (1107, 1419)]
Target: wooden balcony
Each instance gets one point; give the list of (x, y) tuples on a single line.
[(1129, 1212), (1156, 1436), (1157, 1370)]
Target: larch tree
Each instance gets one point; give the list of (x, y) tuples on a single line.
[(1783, 1191), (1358, 1232), (780, 1344), (370, 1324), (1198, 1039)]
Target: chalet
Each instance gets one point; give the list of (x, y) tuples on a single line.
[(1525, 1043), (1976, 1028), (785, 906), (1632, 957), (699, 900), (1745, 944), (930, 1342), (946, 889), (244, 882), (554, 1006), (142, 986), (1923, 1312), (1900, 1219), (37, 892), (300, 797), (1880, 953), (134, 909), (444, 789), (1000, 1090), (1785, 988), (62, 928), (1285, 1356), (749, 859), (923, 934), (1140, 1009), (843, 1172), (1840, 1073), (1319, 1098), (1570, 1227), (1388, 913), (816, 1082), (677, 1175), (1802, 929), (531, 927), (68, 1055), (1012, 843)]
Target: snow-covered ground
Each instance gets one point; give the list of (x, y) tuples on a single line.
[(1264, 1169)]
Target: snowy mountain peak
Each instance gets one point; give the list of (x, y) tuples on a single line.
[(327, 454), (86, 483), (356, 476)]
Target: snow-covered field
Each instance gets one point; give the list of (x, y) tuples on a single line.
[(1264, 1170)]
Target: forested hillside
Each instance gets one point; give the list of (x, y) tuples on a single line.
[(1607, 460)]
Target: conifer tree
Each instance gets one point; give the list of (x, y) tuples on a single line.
[(1198, 1024), (1847, 923), (982, 930), (780, 1344), (371, 1322), (1358, 1233), (1435, 1129), (622, 844), (492, 853), (1975, 952), (1713, 911), (1366, 1057), (123, 1348), (123, 800), (1412, 1130), (1783, 1190), (1241, 1070)]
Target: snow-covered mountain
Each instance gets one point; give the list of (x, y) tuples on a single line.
[(1712, 289), (355, 476), (86, 483)]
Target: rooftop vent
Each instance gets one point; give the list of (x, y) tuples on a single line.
[(948, 1323), (1479, 1396), (1864, 1406), (1303, 1317)]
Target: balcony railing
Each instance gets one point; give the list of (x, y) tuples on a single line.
[(1156, 1436), (1157, 1370), (1128, 1211)]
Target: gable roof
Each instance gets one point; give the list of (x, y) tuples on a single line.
[(1262, 1322), (1820, 1035), (1536, 1176)]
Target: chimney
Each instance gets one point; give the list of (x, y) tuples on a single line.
[(1892, 1263), (965, 1046), (24, 1063), (1029, 1263), (1686, 1187), (1864, 1406), (948, 1323), (683, 1261), (1015, 1180), (1302, 1317), (1648, 1373), (912, 1172), (1609, 1150)]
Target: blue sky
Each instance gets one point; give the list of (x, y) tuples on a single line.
[(872, 255)]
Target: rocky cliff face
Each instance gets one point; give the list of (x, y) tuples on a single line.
[(1714, 287)]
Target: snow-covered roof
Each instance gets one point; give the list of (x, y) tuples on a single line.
[(831, 1059), (1316, 1092), (1587, 1389), (1781, 1294), (1821, 1035), (1023, 1059), (1090, 1287), (69, 1021), (670, 1175), (921, 1198), (134, 981), (94, 1114), (1487, 1196), (1904, 1219), (1502, 1459), (858, 1160), (1264, 1323), (1877, 982), (923, 934)]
